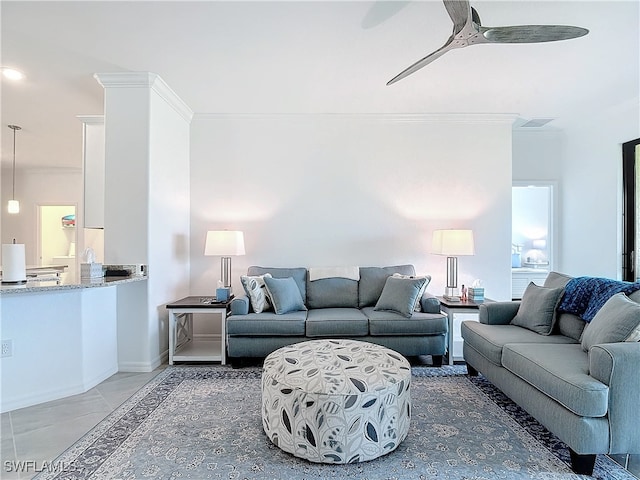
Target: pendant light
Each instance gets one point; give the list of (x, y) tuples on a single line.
[(14, 206)]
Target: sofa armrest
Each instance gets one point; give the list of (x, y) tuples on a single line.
[(240, 305), (616, 365), (498, 313), (429, 303)]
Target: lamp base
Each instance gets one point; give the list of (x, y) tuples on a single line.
[(451, 294)]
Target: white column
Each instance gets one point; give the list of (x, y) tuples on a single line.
[(147, 132)]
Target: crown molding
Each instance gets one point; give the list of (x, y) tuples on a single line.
[(147, 80), (429, 118)]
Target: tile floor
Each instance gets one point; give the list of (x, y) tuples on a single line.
[(38, 434)]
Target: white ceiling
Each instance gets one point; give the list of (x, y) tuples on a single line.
[(305, 57)]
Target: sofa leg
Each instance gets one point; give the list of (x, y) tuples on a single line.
[(436, 360), (472, 371), (582, 464), (236, 362)]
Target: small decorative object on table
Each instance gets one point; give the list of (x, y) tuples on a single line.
[(476, 292), (222, 293), (89, 268)]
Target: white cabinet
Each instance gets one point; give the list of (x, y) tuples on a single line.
[(522, 277), (93, 168)]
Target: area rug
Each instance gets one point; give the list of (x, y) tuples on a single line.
[(201, 422)]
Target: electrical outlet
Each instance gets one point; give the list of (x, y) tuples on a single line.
[(7, 348)]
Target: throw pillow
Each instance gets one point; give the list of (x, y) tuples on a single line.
[(284, 294), (400, 295), (618, 320), (418, 307), (256, 291), (537, 308)]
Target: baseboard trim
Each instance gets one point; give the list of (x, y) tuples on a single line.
[(140, 367)]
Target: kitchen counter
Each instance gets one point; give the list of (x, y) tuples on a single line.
[(49, 284), (63, 334)]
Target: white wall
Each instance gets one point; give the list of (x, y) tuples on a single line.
[(592, 193), (538, 154), (318, 190)]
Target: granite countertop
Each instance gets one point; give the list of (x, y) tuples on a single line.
[(51, 284)]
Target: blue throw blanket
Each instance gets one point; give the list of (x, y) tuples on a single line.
[(584, 296)]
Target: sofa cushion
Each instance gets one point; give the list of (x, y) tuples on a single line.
[(256, 291), (418, 306), (562, 373), (332, 293), (570, 325), (372, 280), (537, 308), (382, 323), (617, 321), (401, 295), (556, 280), (336, 322), (566, 324), (299, 274), (284, 294), (489, 340), (267, 324)]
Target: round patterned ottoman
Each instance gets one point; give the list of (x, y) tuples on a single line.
[(336, 401)]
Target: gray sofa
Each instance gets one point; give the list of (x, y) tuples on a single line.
[(581, 381), (337, 307)]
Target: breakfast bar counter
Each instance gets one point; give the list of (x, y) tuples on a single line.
[(47, 284), (64, 337)]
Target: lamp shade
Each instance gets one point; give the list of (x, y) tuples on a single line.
[(224, 243), (453, 242)]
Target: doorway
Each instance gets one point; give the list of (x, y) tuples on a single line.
[(532, 234), (57, 237), (631, 210)]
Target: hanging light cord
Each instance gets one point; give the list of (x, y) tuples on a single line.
[(13, 187)]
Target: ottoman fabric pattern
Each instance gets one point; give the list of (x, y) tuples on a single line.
[(336, 401)]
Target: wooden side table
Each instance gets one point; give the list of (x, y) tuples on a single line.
[(183, 347), (451, 308)]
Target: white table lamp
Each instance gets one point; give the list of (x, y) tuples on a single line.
[(224, 243), (452, 243)]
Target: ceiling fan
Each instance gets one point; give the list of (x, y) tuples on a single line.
[(467, 30)]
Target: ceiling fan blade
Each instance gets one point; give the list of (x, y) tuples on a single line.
[(532, 33), (421, 63), (382, 11), (475, 16), (459, 11)]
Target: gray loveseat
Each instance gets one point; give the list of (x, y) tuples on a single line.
[(368, 307), (580, 380)]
